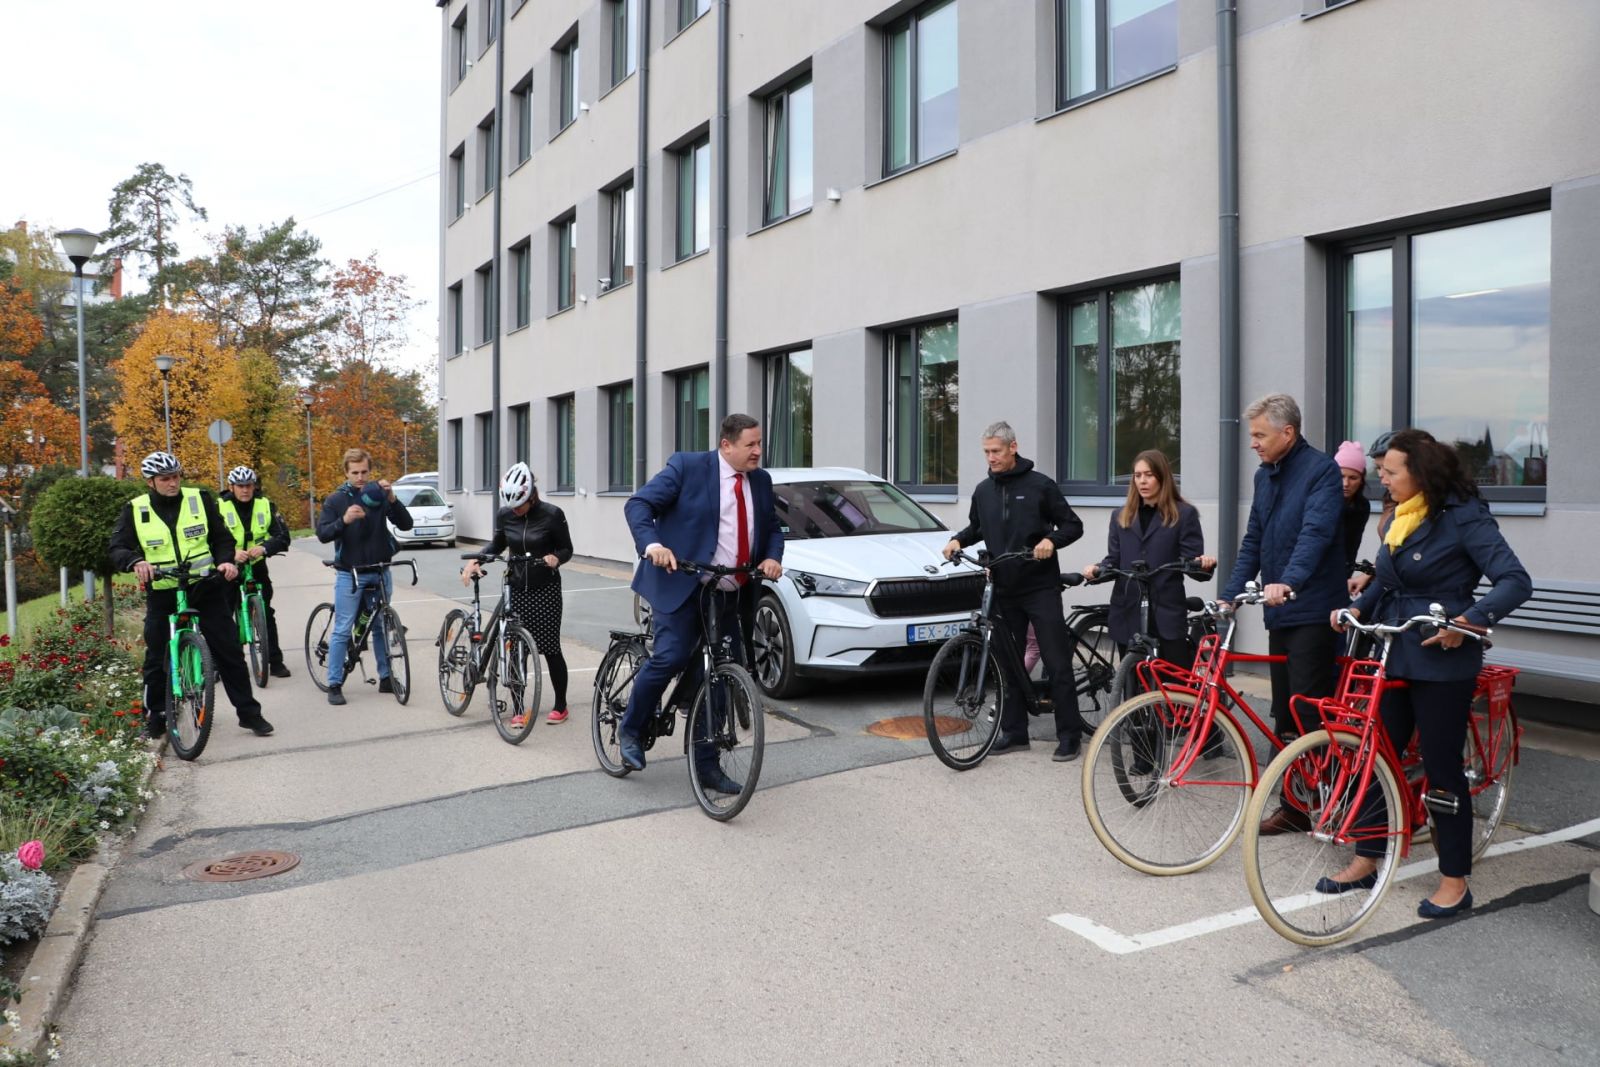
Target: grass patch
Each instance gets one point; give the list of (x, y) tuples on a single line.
[(32, 614), (301, 531)]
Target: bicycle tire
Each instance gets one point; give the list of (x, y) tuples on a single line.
[(1142, 818), (736, 732), (192, 707), (518, 656), (455, 662), (259, 653), (319, 627), (1282, 871), (1094, 661), (613, 684), (1490, 754), (394, 637), (1125, 686), (962, 722)]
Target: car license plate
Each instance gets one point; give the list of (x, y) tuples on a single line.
[(427, 532), (922, 632)]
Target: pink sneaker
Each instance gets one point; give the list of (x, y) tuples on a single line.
[(519, 720), (557, 717)]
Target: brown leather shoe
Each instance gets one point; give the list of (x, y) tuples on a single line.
[(1284, 821)]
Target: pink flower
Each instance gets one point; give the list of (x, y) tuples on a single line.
[(31, 854)]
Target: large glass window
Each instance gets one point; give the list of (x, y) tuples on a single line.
[(692, 428), (624, 46), (619, 454), (1106, 43), (458, 47), (522, 114), (453, 436), (521, 439), (923, 89), (486, 471), (787, 403), (488, 313), (694, 198), (488, 154), (689, 10), (566, 236), (619, 265), (1118, 381), (788, 169), (1437, 320), (458, 181), (567, 59), (566, 443), (925, 404), (520, 281)]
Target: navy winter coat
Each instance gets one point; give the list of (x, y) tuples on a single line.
[(1156, 545)]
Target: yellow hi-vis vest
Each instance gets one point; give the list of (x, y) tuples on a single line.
[(156, 538), (260, 516)]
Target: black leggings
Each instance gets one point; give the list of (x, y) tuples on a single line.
[(558, 677)]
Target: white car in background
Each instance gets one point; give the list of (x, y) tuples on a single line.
[(432, 517), (855, 596)]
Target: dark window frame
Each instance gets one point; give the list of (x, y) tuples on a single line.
[(768, 171), (522, 112), (619, 438), (569, 67), (690, 12), (483, 425), (453, 433), (566, 421), (521, 279), (488, 154), (521, 433), (891, 444), (488, 303), (619, 247), (566, 260), (1102, 54), (454, 297), (776, 373), (911, 22), (458, 47), (691, 438), (458, 180), (624, 45), (685, 161)]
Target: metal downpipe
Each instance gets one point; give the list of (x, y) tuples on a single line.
[(641, 254), (719, 373), (1228, 427)]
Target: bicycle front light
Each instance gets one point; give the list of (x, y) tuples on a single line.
[(826, 585)]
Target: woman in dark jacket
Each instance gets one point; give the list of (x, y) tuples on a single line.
[(1437, 545), (1158, 526), (1353, 519), (529, 525)]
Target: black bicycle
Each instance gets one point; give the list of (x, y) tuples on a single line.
[(1145, 646), (499, 653), (725, 711), (375, 612), (967, 682)]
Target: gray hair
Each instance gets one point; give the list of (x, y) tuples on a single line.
[(1279, 408), (1002, 430)]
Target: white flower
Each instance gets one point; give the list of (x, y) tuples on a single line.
[(104, 825)]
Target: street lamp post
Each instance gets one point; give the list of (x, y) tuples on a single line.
[(311, 494), (405, 445), (164, 365), (79, 246)]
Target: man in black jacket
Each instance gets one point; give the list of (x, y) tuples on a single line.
[(258, 532), (1019, 509), (168, 525)]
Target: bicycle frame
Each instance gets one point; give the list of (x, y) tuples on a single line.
[(478, 662), (248, 587)]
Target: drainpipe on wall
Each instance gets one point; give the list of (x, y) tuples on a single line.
[(1228, 287), (495, 422), (641, 252), (719, 374)]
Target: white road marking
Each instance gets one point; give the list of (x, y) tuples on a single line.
[(1121, 944)]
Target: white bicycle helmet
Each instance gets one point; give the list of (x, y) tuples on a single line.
[(243, 476), (517, 486), (158, 463)]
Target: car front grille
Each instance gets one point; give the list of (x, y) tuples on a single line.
[(898, 598)]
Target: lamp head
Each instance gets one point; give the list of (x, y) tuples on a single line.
[(79, 245), (164, 363)]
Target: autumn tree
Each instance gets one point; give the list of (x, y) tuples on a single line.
[(145, 210), (204, 383), (20, 328), (361, 406), (369, 309), (34, 432), (266, 423)]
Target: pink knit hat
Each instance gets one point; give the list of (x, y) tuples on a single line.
[(1351, 457)]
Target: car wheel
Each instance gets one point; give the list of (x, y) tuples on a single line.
[(774, 650)]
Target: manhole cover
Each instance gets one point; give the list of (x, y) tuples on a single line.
[(242, 867), (911, 727)]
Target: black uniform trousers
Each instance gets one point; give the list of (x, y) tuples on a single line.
[(1042, 608), (236, 597), (1311, 670), (222, 637)]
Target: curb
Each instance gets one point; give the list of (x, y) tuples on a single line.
[(55, 960)]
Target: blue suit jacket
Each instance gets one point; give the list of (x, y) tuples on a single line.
[(680, 508)]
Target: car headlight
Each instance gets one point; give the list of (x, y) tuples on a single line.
[(826, 585)]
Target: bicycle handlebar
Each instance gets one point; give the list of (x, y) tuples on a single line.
[(373, 567), (1142, 572), (184, 571), (1435, 618), (717, 570), (507, 557)]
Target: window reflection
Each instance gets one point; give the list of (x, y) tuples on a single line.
[(1146, 326), (1369, 344)]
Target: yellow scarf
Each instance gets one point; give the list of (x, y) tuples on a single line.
[(1407, 517)]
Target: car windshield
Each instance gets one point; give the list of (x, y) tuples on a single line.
[(846, 509), (419, 496)]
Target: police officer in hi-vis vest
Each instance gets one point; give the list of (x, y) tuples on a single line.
[(258, 532), (163, 527)]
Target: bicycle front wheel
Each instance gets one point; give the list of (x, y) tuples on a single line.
[(1094, 660), (726, 736), (613, 685), (515, 668), (455, 662), (394, 637), (960, 710), (191, 697), (1490, 754), (319, 628), (1148, 809), (1125, 686), (257, 607), (1320, 774)]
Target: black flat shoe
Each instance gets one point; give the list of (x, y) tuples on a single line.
[(1429, 910), (1007, 743), (1332, 887)]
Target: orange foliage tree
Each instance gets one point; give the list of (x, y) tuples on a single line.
[(20, 327), (34, 432), (359, 407)]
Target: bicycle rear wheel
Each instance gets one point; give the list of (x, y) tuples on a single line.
[(455, 662), (1147, 816), (192, 701), (1489, 756), (319, 628), (960, 716), (726, 737), (613, 684), (394, 638), (1321, 772), (1094, 657), (516, 669), (1125, 686), (257, 607)]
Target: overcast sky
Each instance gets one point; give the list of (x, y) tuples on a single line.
[(298, 107)]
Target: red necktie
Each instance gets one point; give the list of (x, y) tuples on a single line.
[(743, 559)]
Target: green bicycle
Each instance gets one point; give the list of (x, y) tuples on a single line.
[(191, 675), (252, 617)]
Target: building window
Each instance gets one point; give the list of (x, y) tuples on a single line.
[(787, 402), (1118, 381), (923, 92), (1102, 44), (487, 312), (456, 324), (924, 404), (1437, 320), (458, 181), (491, 21), (566, 238), (458, 47), (567, 67), (522, 114), (689, 10), (488, 155), (521, 418), (619, 453), (485, 427), (520, 282), (788, 169), (624, 45), (619, 258), (692, 394), (566, 443), (453, 436), (694, 198)]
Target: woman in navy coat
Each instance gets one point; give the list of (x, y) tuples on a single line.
[(1437, 544)]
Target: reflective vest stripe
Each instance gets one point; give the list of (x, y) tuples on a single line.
[(161, 545), (260, 520)]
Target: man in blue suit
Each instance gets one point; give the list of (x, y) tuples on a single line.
[(714, 507)]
